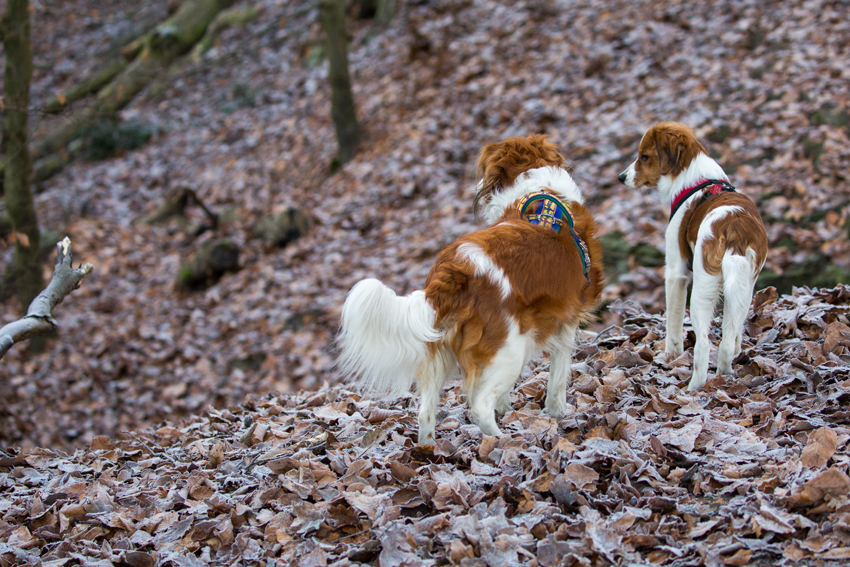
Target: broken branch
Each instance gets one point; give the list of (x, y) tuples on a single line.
[(39, 318)]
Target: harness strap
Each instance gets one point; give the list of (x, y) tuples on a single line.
[(546, 210), (716, 186)]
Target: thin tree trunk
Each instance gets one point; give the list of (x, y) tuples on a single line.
[(19, 201), (342, 100), (386, 11)]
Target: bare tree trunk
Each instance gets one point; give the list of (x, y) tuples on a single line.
[(342, 99), (386, 11), (19, 201)]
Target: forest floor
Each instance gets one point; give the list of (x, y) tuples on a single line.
[(248, 128), (748, 471)]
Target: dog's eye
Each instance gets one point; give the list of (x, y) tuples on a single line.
[(644, 157)]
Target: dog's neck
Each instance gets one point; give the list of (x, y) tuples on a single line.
[(701, 168), (551, 178)]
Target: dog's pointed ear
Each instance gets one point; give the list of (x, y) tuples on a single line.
[(677, 147), (485, 161), (669, 146), (489, 173)]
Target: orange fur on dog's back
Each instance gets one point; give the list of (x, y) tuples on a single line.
[(733, 233), (548, 287)]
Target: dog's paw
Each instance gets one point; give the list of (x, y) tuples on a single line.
[(426, 434), (697, 382), (426, 440), (557, 410), (725, 370), (674, 348)]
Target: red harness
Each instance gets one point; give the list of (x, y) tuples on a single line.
[(712, 186)]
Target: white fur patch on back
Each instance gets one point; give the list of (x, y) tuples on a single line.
[(551, 178), (484, 266), (705, 229)]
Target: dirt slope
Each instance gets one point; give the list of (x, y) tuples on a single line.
[(249, 129), (749, 471)]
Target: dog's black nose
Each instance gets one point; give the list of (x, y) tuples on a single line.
[(622, 178)]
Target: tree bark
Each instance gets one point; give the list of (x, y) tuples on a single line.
[(39, 319), (231, 17), (342, 100), (386, 11), (16, 175), (91, 85)]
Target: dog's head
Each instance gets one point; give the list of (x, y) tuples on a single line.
[(665, 150), (501, 163)]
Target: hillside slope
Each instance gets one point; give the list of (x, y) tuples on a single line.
[(749, 471), (249, 129)]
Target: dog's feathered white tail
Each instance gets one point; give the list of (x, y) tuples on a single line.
[(383, 338)]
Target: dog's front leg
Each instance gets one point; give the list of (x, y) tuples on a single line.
[(560, 377), (676, 293)]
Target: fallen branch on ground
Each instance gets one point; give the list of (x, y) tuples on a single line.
[(175, 206), (39, 318)]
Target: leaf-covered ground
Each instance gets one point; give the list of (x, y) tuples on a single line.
[(248, 128), (748, 471)]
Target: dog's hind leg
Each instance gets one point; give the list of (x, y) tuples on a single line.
[(494, 382), (430, 382), (497, 378), (503, 404), (730, 344), (703, 301), (430, 399), (738, 285), (560, 354)]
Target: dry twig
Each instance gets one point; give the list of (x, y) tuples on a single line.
[(39, 318)]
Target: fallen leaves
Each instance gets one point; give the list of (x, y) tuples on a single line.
[(836, 339), (249, 129), (820, 447), (744, 471), (646, 473)]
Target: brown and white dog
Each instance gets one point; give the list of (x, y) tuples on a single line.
[(714, 232), (493, 299)]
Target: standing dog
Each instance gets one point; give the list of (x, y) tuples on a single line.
[(714, 232), (492, 300)]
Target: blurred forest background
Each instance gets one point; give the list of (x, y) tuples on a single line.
[(231, 143)]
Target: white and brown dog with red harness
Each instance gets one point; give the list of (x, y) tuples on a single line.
[(715, 235)]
